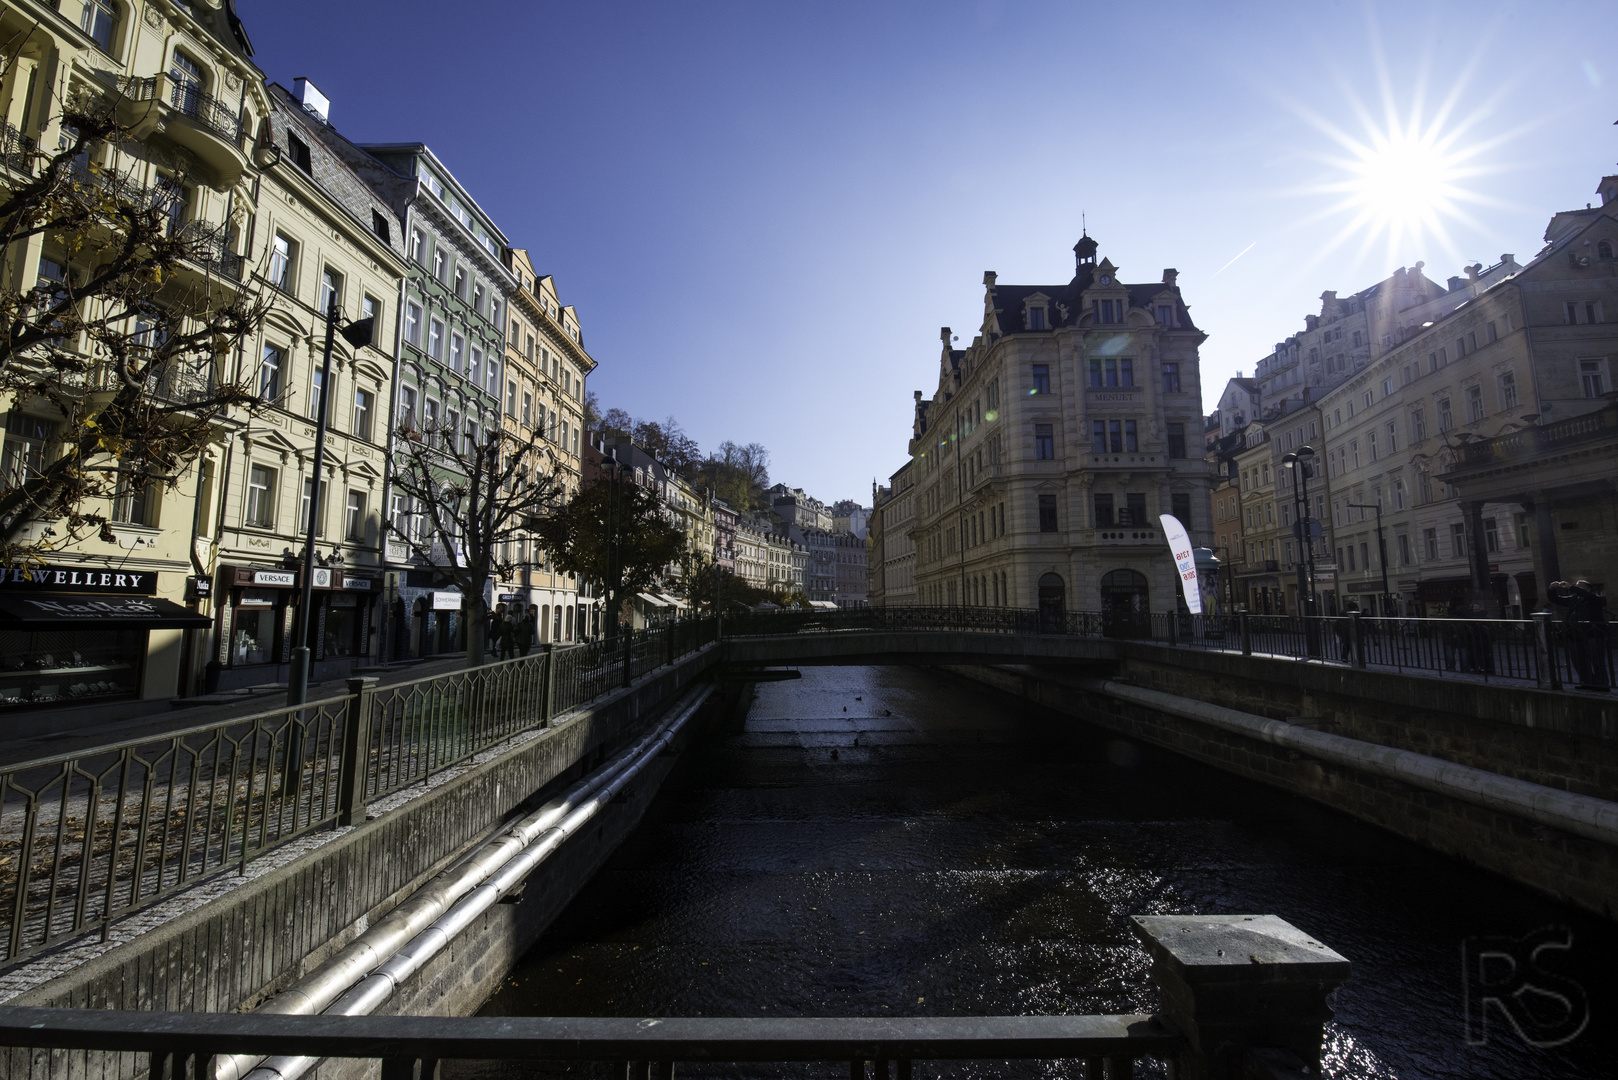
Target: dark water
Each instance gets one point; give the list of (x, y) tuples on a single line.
[(961, 856)]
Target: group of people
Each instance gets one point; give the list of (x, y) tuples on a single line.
[(512, 632), (1586, 631)]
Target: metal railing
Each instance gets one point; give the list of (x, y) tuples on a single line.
[(90, 836), (189, 100), (207, 246), (17, 149)]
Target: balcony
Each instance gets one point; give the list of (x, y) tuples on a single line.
[(208, 249), (204, 125), (1532, 442), (16, 150)]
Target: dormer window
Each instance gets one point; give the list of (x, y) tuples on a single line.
[(1165, 315), (1036, 318), (1109, 311)]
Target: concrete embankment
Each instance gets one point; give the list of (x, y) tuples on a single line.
[(1532, 802), (259, 936)]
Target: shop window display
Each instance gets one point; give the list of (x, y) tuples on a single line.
[(51, 666)]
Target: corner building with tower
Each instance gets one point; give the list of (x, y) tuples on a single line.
[(1054, 442)]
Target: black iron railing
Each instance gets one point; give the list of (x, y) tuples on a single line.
[(189, 100), (207, 246), (1530, 442), (17, 149), (90, 836)]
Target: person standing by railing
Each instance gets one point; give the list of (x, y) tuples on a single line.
[(1586, 629), (523, 630)]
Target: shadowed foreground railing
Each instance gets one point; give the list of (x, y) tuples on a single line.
[(1243, 996), (90, 836)]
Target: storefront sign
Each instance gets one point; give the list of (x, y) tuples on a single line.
[(1111, 397), (199, 588), (360, 584), (285, 579), (321, 576), (80, 579), (446, 601)]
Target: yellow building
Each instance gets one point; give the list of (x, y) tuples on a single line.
[(543, 395), (193, 103)]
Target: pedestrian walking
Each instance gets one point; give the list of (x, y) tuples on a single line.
[(523, 630), (1585, 628), (500, 633)]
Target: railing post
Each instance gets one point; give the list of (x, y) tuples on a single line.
[(356, 749), (547, 684), (629, 652), (1549, 675), (1235, 984), (1356, 640), (1246, 630), (668, 633), (1174, 628)]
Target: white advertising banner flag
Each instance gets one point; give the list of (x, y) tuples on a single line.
[(1184, 561)]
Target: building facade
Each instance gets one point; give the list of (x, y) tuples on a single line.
[(1051, 445), (891, 567)]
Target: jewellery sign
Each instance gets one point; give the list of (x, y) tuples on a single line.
[(83, 579)]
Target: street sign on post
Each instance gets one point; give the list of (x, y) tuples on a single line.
[(1307, 529)]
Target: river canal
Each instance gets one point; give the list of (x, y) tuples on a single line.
[(891, 841)]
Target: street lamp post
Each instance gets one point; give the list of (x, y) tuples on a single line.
[(1381, 554), (1304, 529), (358, 334)]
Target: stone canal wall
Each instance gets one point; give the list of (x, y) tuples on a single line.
[(1563, 742), (260, 935)]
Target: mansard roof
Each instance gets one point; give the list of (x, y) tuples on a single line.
[(1009, 300)]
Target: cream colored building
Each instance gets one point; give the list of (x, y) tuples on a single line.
[(1052, 444), (195, 104), (891, 565), (321, 235), (544, 389)]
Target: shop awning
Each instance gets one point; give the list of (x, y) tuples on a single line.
[(652, 600), (63, 611), (672, 600), (823, 605)]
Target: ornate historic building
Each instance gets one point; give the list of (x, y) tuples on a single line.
[(1053, 442)]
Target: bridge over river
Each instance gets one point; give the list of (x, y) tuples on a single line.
[(1034, 805)]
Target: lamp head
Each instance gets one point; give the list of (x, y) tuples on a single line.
[(360, 333), (1289, 460), (1306, 452)]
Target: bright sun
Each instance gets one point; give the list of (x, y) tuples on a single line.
[(1404, 182)]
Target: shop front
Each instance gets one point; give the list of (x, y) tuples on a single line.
[(77, 634), (255, 609), (345, 617)]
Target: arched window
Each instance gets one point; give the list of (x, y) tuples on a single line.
[(189, 84), (1604, 249), (99, 19)]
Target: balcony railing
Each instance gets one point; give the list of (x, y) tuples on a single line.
[(209, 112), (17, 149), (209, 250), (1533, 441)]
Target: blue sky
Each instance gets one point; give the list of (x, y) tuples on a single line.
[(764, 212)]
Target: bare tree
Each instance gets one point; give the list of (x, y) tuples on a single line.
[(471, 498), (120, 342)]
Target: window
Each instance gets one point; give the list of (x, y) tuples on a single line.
[(1507, 381), (477, 298), (24, 455), (1398, 494), (1404, 549), (460, 282), (317, 398), (303, 512), (1354, 451), (1171, 378), (1103, 510), (281, 253), (1180, 507), (407, 407), (1131, 439), (457, 351), (100, 17), (1368, 399), (135, 499), (494, 377), (1491, 536), (379, 225), (1457, 541), (1418, 424), (1036, 318), (354, 516), (1044, 443), (1042, 379), (298, 150), (474, 364), (417, 249), (1593, 377), (1490, 333), (1604, 249), (1165, 315), (1429, 539), (1110, 311), (269, 372), (1134, 510), (440, 264), (1592, 312), (1393, 437), (1446, 419), (527, 409), (331, 288), (1176, 440), (1424, 486), (1370, 444), (1474, 403), (1387, 388), (1521, 520), (261, 496), (1047, 513), (412, 326), (511, 398), (435, 339)]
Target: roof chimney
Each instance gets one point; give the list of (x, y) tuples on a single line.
[(1170, 276), (313, 100), (988, 278), (943, 335)]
